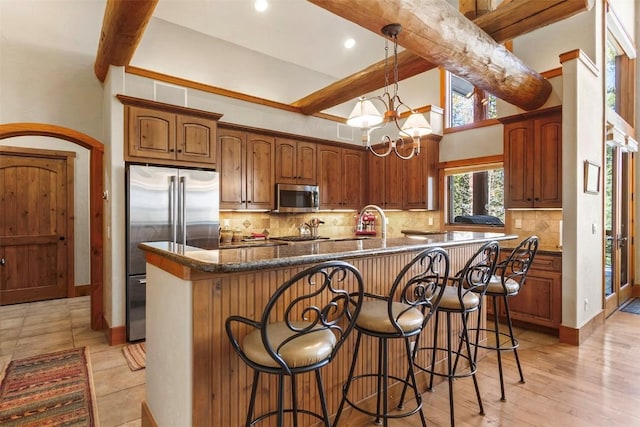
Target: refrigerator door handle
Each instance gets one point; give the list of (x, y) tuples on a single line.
[(172, 209), (183, 208)]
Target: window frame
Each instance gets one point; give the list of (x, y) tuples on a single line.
[(466, 165), (625, 78), (480, 108)]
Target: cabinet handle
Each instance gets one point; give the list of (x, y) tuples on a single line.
[(528, 199), (536, 199), (179, 151), (171, 150)]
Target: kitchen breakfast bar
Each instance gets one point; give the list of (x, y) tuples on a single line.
[(193, 376)]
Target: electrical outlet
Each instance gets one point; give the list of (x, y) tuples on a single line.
[(586, 304), (518, 223), (430, 221)]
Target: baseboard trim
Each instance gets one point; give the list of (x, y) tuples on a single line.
[(146, 417), (576, 336), (82, 290), (116, 335)]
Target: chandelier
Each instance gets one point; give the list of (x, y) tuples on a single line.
[(367, 117)]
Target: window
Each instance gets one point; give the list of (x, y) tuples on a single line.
[(613, 54), (620, 53), (475, 195), (466, 103)]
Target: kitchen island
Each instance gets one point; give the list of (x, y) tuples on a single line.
[(193, 376)]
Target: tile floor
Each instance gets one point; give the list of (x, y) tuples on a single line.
[(43, 327)]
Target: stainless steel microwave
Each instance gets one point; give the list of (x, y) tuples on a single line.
[(297, 198)]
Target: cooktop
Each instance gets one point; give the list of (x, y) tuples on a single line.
[(297, 238)]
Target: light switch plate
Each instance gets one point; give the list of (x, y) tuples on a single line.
[(518, 223)]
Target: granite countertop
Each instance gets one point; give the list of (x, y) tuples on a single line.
[(286, 255)]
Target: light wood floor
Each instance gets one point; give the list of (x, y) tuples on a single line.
[(595, 384)]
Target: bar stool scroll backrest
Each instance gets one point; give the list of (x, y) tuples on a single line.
[(473, 280), (513, 270), (419, 285), (310, 312)]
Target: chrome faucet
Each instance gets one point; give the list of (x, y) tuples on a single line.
[(382, 216)]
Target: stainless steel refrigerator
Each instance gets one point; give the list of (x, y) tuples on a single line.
[(165, 204)]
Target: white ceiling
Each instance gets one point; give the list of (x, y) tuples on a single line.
[(294, 31)]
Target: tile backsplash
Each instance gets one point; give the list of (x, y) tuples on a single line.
[(336, 224), (543, 223)]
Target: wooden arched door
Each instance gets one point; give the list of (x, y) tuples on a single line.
[(95, 203)]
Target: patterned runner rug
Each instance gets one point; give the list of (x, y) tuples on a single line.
[(135, 354), (49, 389)]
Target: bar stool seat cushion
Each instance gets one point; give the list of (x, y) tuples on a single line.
[(374, 316), (495, 286), (451, 301), (305, 350)]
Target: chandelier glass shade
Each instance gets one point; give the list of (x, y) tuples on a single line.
[(367, 117)]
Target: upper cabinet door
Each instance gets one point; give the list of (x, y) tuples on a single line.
[(151, 133), (548, 182), (306, 163), (295, 162), (232, 175), (260, 168), (518, 167), (353, 171), (286, 161), (196, 140), (330, 177)]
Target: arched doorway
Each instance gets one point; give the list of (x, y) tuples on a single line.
[(96, 149)]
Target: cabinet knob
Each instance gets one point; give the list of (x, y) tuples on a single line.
[(171, 150), (536, 199), (179, 151)]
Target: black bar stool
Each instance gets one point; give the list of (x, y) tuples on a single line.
[(402, 314), (463, 297), (302, 327), (505, 283)]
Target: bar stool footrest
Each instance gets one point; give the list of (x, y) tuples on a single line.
[(404, 414), (500, 346), (462, 358)]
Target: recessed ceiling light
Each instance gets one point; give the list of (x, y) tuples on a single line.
[(261, 5), (349, 43)]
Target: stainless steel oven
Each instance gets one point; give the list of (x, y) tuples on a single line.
[(297, 198)]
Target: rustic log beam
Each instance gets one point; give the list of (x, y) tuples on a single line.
[(436, 31), (122, 29), (372, 78)]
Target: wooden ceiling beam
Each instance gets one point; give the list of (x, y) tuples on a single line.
[(517, 23), (517, 17), (122, 29), (357, 84)]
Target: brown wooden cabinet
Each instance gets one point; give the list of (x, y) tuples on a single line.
[(384, 181), (340, 177), (533, 160), (420, 178), (539, 302), (295, 162), (246, 170), (167, 134)]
